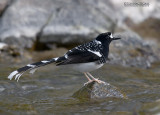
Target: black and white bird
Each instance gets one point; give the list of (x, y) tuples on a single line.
[(83, 58)]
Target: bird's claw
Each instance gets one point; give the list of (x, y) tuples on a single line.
[(96, 80)]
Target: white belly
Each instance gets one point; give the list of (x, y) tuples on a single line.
[(84, 67)]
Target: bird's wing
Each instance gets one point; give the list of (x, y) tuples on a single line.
[(77, 56)]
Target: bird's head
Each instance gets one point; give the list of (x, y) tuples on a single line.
[(107, 37)]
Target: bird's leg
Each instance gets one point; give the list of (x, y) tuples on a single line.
[(89, 80), (95, 79), (87, 76)]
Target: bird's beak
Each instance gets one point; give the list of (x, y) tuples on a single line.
[(115, 38)]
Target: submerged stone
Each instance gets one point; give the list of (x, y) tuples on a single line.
[(96, 90)]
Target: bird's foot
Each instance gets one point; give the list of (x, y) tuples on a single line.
[(88, 82), (98, 81)]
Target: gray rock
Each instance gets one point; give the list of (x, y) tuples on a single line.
[(95, 90), (132, 50), (71, 22)]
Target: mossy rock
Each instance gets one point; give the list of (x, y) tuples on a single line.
[(95, 90)]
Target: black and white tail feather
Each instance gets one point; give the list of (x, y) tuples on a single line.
[(79, 54), (31, 68)]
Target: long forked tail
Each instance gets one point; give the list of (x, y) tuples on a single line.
[(30, 67)]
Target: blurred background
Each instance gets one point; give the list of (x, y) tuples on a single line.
[(34, 30), (30, 27)]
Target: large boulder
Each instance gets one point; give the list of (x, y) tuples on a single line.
[(71, 21)]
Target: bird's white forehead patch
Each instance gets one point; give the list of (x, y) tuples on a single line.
[(95, 52), (111, 36)]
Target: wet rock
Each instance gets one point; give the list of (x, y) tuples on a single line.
[(95, 90), (132, 50), (65, 27)]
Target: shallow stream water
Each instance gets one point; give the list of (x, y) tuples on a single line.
[(49, 91)]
